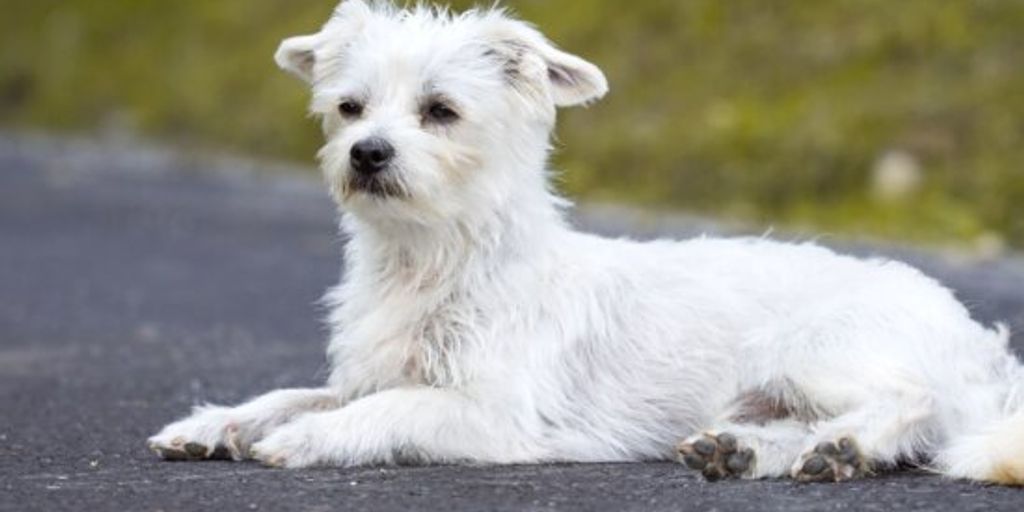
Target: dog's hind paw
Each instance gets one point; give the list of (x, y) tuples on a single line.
[(832, 462), (716, 456)]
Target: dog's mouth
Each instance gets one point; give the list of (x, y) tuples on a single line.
[(377, 186)]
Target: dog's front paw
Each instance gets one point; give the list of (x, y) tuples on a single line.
[(293, 445), (206, 434)]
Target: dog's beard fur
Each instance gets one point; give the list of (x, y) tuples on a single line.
[(497, 334), (380, 187)]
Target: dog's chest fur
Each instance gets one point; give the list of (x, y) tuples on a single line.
[(402, 327), (436, 339)]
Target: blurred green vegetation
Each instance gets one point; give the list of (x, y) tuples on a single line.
[(768, 111)]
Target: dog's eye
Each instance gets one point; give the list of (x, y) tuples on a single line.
[(350, 109), (440, 113)]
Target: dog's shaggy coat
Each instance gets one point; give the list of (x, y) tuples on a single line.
[(473, 324)]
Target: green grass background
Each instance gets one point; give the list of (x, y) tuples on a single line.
[(772, 112)]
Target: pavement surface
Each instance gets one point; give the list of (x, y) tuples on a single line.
[(136, 282)]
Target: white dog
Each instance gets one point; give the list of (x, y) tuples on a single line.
[(475, 325)]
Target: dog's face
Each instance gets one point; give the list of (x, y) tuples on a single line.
[(428, 115)]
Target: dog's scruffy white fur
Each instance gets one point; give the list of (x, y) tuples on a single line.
[(475, 325)]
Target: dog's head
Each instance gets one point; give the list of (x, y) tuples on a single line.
[(430, 115)]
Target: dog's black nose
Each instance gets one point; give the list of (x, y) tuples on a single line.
[(371, 156)]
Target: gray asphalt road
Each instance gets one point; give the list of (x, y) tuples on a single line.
[(135, 283)]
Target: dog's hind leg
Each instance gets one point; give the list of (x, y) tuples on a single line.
[(872, 436), (215, 432), (774, 432), (836, 449)]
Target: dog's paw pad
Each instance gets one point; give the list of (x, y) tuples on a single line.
[(179, 450), (196, 450), (171, 454), (832, 462), (716, 456)]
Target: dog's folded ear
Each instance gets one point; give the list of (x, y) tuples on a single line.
[(573, 81), (298, 55)]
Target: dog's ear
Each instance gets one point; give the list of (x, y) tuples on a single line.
[(573, 81), (298, 55)]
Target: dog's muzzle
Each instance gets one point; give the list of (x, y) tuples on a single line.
[(371, 156), (370, 159)]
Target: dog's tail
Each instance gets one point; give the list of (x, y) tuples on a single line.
[(995, 455), (995, 452)]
